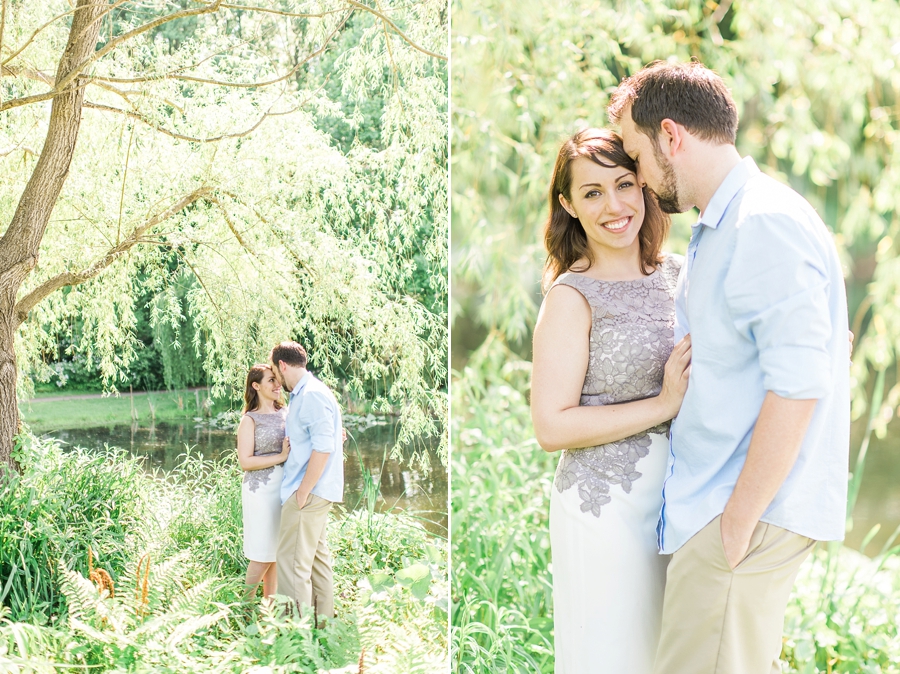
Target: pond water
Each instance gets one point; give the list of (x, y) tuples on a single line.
[(879, 494), (420, 492)]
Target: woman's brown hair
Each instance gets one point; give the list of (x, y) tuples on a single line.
[(251, 396), (564, 237)]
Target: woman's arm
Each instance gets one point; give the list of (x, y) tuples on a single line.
[(245, 445), (561, 351)]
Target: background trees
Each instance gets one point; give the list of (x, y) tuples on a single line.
[(266, 171), (818, 90)]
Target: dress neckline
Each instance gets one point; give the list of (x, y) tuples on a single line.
[(642, 279)]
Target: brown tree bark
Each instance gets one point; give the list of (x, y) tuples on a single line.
[(20, 245)]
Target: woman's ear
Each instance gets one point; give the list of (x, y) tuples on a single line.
[(255, 386), (567, 206)]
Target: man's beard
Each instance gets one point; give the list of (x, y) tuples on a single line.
[(667, 196)]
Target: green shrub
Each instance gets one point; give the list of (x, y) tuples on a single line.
[(172, 548)]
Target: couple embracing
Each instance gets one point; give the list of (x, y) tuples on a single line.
[(702, 404), (294, 470)]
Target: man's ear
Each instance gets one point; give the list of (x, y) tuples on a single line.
[(671, 137), (567, 206)]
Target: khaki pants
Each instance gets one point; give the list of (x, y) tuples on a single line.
[(303, 560), (722, 621)]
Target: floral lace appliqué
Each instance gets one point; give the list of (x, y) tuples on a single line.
[(631, 339), (268, 436)]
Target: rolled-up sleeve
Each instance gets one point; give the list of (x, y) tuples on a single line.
[(318, 420), (776, 289)]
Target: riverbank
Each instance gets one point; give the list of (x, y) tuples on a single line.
[(50, 412), (53, 411), (76, 520)]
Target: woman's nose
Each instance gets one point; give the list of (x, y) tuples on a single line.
[(613, 203)]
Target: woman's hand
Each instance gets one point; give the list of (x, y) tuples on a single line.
[(285, 447), (675, 380)]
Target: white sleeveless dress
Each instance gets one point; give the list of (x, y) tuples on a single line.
[(261, 489), (608, 576)]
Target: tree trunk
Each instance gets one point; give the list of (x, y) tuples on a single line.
[(20, 245)]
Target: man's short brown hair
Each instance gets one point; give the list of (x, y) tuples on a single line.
[(290, 353), (687, 93)]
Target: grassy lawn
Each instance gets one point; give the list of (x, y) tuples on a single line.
[(50, 412)]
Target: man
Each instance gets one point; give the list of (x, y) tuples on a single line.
[(313, 480), (758, 459)]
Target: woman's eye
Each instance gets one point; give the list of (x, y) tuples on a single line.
[(625, 184), (591, 194)]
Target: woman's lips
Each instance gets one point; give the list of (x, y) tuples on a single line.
[(617, 225)]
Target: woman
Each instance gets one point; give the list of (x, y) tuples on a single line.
[(606, 381), (262, 448)]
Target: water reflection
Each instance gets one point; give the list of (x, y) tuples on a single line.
[(417, 490), (879, 494)]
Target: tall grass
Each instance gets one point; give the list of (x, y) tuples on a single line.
[(842, 617), (172, 548)]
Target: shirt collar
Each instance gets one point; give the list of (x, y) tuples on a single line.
[(300, 384), (734, 181)]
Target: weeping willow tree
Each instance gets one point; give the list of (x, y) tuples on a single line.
[(138, 137), (817, 85)]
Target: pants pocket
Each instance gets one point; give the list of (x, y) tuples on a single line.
[(756, 541)]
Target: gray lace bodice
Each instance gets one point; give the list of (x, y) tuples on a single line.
[(267, 439), (632, 333)]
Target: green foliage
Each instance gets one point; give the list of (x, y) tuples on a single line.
[(293, 234), (816, 85), (50, 516), (502, 612), (841, 617), (177, 603)]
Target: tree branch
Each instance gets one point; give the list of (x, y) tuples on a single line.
[(2, 23), (58, 87), (241, 85), (29, 73), (353, 3), (33, 298), (281, 238), (278, 12), (35, 34), (77, 71), (180, 136), (394, 27)]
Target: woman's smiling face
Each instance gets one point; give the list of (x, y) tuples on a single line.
[(269, 388), (608, 203)]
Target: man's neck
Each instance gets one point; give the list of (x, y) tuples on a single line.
[(293, 376), (709, 170)]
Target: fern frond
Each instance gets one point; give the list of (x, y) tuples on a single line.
[(194, 600), (81, 595)]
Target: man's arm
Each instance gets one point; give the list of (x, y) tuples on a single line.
[(776, 289), (773, 450), (318, 418), (314, 470)]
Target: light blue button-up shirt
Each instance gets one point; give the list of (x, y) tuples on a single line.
[(762, 293), (314, 424)]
